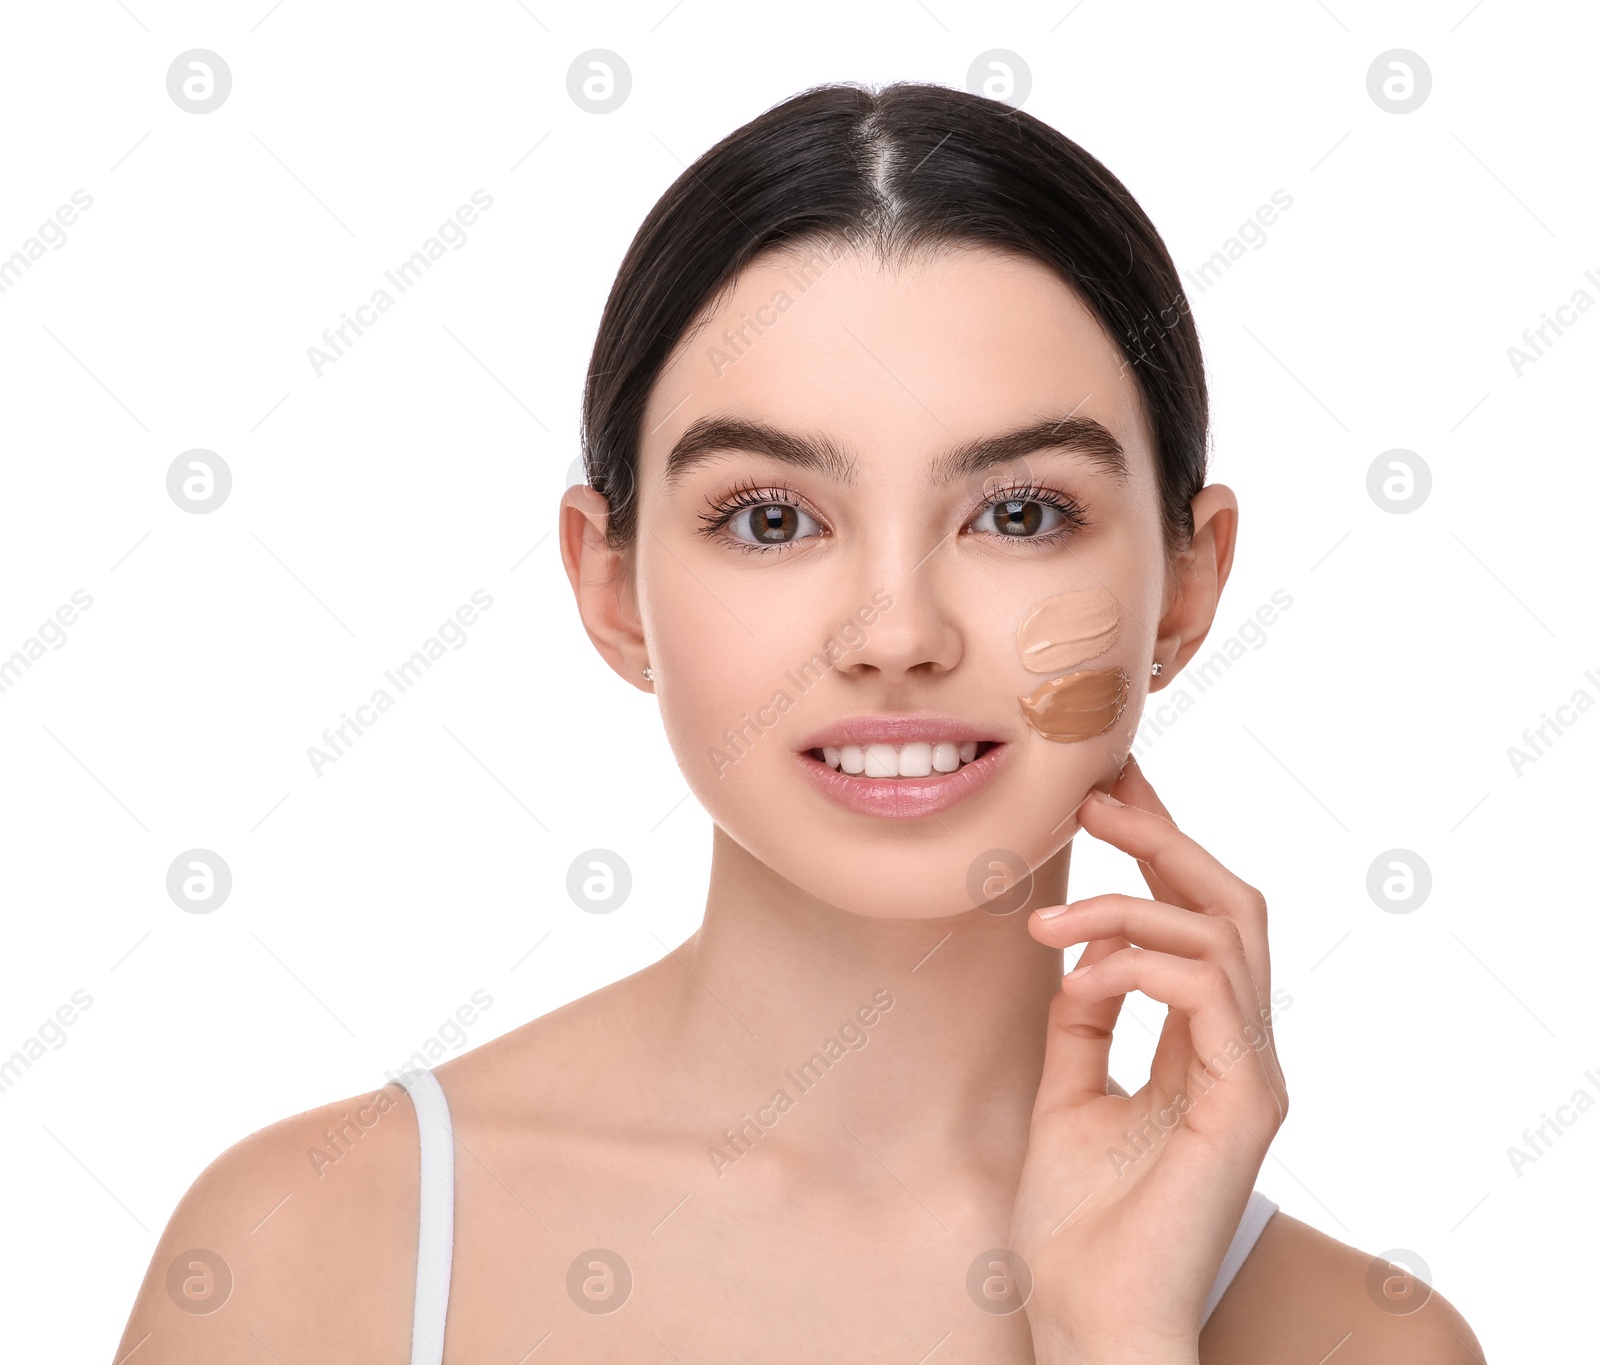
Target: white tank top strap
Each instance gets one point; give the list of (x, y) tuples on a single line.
[(1256, 1213), (436, 1218)]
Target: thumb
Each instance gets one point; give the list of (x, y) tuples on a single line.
[(1077, 1049)]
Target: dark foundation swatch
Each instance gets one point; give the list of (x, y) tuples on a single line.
[(1078, 706)]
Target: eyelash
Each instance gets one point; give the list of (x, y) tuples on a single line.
[(745, 496), (1074, 516)]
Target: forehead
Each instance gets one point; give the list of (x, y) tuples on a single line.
[(899, 358)]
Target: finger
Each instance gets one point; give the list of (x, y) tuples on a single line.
[(1182, 933), (1133, 788), (1147, 924), (1077, 1046), (1176, 1051), (1200, 880), (1151, 924), (1174, 1055), (1217, 1027), (1191, 1062), (1197, 880)]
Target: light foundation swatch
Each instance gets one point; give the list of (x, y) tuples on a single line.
[(1063, 631)]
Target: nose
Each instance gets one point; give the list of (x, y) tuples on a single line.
[(919, 633)]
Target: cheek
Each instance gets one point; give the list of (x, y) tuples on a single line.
[(1076, 667), (1066, 754), (731, 680), (1058, 636), (709, 668)]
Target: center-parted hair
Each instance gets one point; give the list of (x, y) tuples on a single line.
[(898, 170)]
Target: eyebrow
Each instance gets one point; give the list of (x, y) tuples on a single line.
[(711, 437)]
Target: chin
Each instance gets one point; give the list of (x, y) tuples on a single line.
[(930, 868)]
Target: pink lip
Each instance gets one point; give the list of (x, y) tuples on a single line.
[(904, 798)]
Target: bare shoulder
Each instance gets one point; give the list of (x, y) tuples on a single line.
[(585, 1064), (1302, 1295), (297, 1243)]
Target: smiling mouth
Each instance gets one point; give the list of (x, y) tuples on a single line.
[(885, 761), (904, 781)]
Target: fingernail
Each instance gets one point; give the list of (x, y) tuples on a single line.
[(1051, 912), (1108, 798)]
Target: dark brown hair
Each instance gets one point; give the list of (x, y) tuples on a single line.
[(906, 167)]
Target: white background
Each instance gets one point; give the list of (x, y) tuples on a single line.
[(368, 503)]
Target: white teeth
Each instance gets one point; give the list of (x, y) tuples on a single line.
[(916, 760), (904, 760), (882, 761)]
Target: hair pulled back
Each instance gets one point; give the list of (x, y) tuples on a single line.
[(897, 170)]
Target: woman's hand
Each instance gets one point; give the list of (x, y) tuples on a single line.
[(1127, 1204)]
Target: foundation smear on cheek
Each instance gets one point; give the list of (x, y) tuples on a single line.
[(1061, 632), (1078, 706)]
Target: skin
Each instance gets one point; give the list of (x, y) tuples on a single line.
[(978, 1112)]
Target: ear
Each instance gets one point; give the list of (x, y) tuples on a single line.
[(602, 583), (1195, 587)]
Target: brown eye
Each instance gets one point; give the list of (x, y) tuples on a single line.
[(758, 523), (774, 523), (1018, 517), (1026, 514)]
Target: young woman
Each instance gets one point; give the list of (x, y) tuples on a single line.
[(895, 433)]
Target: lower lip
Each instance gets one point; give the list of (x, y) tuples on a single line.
[(904, 798)]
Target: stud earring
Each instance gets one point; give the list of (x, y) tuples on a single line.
[(649, 676), (1155, 669)]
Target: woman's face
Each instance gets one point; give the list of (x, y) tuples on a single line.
[(828, 558)]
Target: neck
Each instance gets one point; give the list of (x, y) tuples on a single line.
[(793, 992)]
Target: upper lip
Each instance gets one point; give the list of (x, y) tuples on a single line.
[(895, 728)]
